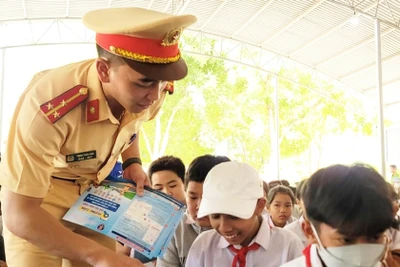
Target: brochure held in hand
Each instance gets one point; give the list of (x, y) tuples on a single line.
[(112, 208)]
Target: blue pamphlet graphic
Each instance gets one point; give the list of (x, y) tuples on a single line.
[(112, 208)]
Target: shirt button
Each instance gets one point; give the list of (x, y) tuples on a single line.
[(99, 173)]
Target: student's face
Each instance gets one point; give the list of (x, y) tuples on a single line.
[(280, 209), (330, 237), (169, 183), (235, 230), (194, 193), (133, 91)]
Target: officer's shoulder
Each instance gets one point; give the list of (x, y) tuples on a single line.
[(57, 107)]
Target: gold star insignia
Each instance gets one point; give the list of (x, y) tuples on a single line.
[(63, 103), (56, 114), (49, 106)]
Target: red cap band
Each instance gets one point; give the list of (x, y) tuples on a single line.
[(139, 49)]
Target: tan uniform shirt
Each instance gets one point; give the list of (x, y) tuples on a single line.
[(38, 149)]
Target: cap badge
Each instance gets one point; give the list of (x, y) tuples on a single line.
[(172, 37)]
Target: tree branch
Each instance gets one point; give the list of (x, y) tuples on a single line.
[(157, 138), (146, 141), (297, 119), (168, 128)]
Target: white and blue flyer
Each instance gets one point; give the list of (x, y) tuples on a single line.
[(112, 208)]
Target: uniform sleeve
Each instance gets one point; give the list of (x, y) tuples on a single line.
[(32, 144), (195, 256), (394, 236), (393, 258), (170, 257)]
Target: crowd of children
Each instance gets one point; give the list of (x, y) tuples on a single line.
[(347, 217)]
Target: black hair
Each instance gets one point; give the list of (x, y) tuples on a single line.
[(167, 163), (200, 166), (285, 183), (395, 198), (281, 189), (265, 188), (113, 59), (352, 199), (299, 189), (293, 189), (392, 192), (274, 183)]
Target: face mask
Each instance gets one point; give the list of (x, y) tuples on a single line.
[(358, 255)]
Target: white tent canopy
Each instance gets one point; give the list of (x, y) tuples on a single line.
[(333, 39), (317, 33)]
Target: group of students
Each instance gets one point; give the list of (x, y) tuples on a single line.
[(233, 219)]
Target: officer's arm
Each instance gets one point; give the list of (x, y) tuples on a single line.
[(26, 171), (135, 171), (24, 217), (133, 150)]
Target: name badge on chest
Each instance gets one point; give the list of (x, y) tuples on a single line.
[(81, 156)]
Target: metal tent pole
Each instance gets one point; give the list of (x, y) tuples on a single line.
[(2, 78), (277, 147), (381, 127)]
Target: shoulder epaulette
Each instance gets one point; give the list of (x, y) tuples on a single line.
[(56, 108), (170, 88)]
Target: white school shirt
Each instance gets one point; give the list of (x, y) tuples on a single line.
[(277, 246), (394, 238), (314, 260), (295, 227), (296, 212), (271, 223)]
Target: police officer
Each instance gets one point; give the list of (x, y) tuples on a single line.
[(70, 126)]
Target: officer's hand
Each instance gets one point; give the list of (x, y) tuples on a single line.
[(135, 173), (113, 259), (121, 249)]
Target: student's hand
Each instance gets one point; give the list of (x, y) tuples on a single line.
[(3, 264), (135, 173)]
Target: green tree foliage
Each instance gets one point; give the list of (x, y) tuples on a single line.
[(225, 107)]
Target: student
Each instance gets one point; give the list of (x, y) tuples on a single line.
[(280, 204), (393, 232), (298, 194), (296, 226), (347, 210), (266, 190), (167, 175), (297, 212), (190, 226), (233, 200)]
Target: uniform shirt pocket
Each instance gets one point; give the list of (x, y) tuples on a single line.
[(87, 165)]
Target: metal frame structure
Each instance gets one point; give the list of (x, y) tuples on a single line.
[(387, 11), (240, 53), (287, 39), (231, 50)]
